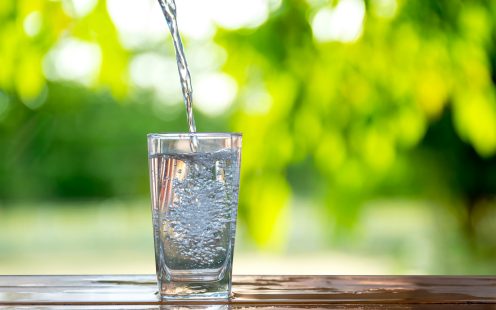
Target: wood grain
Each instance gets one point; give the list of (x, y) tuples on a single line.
[(290, 292)]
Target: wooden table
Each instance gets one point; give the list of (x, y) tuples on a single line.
[(309, 292)]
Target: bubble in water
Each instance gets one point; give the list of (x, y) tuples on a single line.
[(199, 208)]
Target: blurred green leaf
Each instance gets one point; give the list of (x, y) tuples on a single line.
[(406, 111)]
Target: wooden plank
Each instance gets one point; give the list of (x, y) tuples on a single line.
[(369, 289), (255, 307), (342, 292)]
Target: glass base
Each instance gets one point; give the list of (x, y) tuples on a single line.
[(177, 291)]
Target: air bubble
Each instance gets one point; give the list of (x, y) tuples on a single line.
[(201, 210)]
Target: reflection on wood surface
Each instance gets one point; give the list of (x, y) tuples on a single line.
[(337, 292)]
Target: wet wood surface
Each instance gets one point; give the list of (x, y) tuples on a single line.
[(259, 292)]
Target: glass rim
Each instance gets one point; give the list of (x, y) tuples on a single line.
[(188, 135)]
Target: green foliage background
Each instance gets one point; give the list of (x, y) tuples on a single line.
[(407, 112)]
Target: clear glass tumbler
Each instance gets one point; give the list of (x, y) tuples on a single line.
[(194, 182)]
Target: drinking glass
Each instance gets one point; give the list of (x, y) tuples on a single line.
[(194, 180)]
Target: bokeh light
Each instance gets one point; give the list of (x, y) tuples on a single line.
[(369, 130)]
